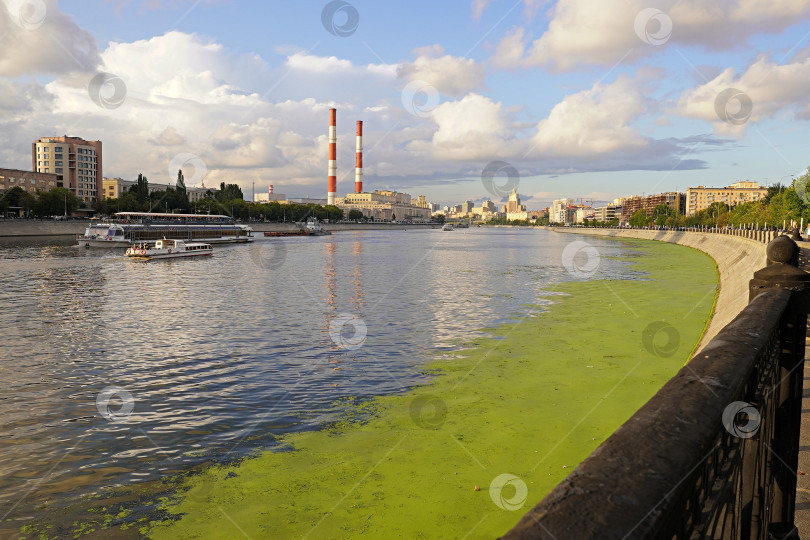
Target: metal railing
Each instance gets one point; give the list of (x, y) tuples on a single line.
[(714, 453)]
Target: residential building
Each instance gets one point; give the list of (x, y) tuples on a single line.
[(607, 213), (27, 180), (674, 200), (77, 164), (583, 213), (558, 211), (699, 198)]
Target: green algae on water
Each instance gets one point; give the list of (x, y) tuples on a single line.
[(531, 401)]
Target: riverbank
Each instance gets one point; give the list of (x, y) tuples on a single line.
[(531, 401), (33, 227)]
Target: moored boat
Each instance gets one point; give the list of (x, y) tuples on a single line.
[(447, 227), (314, 227), (169, 249), (135, 227)]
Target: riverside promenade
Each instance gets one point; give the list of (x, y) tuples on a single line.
[(744, 487)]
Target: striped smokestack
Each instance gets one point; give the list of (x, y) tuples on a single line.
[(358, 171), (330, 195)]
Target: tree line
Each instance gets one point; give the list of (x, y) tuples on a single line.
[(56, 202)]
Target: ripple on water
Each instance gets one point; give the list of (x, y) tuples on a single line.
[(222, 356)]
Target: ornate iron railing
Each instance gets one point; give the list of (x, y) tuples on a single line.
[(714, 453)]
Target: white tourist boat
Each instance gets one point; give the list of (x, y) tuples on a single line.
[(134, 227), (169, 249), (447, 227)]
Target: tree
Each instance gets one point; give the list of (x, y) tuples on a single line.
[(439, 218), (639, 218), (141, 189), (393, 217), (228, 192), (181, 182), (662, 213), (56, 202), (356, 215)]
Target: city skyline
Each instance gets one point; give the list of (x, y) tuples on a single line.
[(572, 99)]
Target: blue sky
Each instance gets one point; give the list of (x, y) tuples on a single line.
[(584, 99)]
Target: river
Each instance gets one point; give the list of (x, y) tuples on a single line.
[(117, 372)]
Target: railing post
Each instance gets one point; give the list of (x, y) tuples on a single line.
[(782, 272)]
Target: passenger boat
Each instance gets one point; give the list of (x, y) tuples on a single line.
[(447, 227), (134, 227), (169, 249)]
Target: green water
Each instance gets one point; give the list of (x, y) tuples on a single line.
[(532, 401)]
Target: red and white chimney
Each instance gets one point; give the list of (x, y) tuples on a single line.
[(332, 190), (270, 190), (358, 171)]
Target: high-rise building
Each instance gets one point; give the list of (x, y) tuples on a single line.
[(76, 163), (558, 213)]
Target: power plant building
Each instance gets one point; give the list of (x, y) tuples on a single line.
[(384, 205), (381, 204)]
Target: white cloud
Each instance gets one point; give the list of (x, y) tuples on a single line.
[(593, 122), (450, 75), (771, 88), (333, 64), (583, 32), (38, 38), (478, 7), (472, 128)]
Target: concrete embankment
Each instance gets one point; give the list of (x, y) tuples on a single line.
[(737, 259), (34, 227), (26, 227)]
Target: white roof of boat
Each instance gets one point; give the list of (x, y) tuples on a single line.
[(163, 214)]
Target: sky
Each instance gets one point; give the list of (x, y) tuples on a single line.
[(460, 99)]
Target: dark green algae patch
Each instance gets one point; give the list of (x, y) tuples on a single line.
[(533, 400)]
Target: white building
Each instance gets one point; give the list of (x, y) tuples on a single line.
[(558, 212)]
